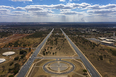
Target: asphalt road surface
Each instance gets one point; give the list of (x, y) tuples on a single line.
[(27, 65), (89, 67)]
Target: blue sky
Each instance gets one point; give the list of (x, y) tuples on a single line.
[(57, 10)]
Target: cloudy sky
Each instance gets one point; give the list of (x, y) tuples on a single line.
[(57, 10)]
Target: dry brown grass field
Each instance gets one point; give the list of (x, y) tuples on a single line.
[(11, 38), (102, 57), (56, 46), (17, 43)]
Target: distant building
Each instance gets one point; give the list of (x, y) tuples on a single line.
[(57, 34), (107, 43), (110, 40), (8, 53), (107, 39), (102, 38), (94, 30), (114, 34)]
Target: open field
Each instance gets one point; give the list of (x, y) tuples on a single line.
[(5, 34), (102, 57), (11, 38), (23, 46), (12, 63), (25, 42), (57, 45)]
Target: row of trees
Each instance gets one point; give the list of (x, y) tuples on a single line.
[(27, 41), (83, 41), (5, 34), (49, 52), (16, 67)]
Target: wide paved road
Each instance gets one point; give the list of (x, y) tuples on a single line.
[(27, 65), (89, 67)]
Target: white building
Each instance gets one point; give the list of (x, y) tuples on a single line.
[(107, 43)]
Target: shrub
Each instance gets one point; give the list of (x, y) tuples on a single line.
[(15, 71), (44, 53), (11, 63), (36, 34), (11, 76), (101, 57), (23, 52), (16, 68), (113, 52), (10, 70), (29, 49), (22, 56), (16, 58)]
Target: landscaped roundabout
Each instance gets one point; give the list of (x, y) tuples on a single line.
[(58, 67)]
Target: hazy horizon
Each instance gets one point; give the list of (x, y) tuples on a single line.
[(57, 11)]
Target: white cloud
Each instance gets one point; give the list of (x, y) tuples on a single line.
[(76, 0), (58, 6), (19, 12), (62, 0), (97, 6), (33, 8), (67, 12), (82, 5), (103, 12), (4, 11), (42, 13), (20, 8), (21, 0), (6, 7)]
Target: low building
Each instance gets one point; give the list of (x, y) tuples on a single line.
[(102, 38), (110, 40), (2, 60), (107, 43), (8, 53)]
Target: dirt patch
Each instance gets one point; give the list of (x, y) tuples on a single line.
[(11, 38)]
